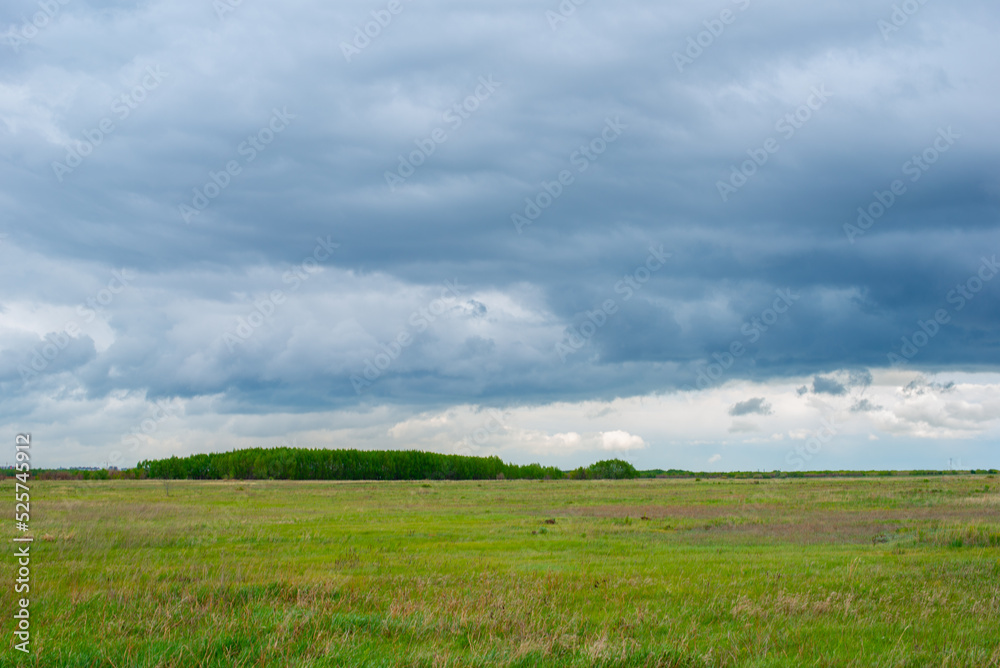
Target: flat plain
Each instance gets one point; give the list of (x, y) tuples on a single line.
[(872, 571)]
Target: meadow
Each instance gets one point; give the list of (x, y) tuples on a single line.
[(872, 571)]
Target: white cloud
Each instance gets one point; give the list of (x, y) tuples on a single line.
[(676, 431), (621, 440)]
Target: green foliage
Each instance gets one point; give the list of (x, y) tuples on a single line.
[(305, 464), (732, 573), (612, 469)]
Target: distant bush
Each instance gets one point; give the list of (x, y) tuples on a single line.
[(612, 469)]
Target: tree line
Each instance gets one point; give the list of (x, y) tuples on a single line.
[(306, 464), (411, 465)]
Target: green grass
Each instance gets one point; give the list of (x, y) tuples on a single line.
[(882, 571)]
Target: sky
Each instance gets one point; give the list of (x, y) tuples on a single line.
[(733, 235)]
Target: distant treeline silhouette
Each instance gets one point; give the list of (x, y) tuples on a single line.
[(307, 464)]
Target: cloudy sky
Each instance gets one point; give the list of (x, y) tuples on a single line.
[(750, 234)]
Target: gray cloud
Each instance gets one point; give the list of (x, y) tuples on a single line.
[(921, 386), (864, 406), (754, 406), (823, 385), (82, 94)]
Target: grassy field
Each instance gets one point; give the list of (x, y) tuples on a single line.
[(900, 571)]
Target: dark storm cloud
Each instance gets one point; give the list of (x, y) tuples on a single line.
[(485, 112)]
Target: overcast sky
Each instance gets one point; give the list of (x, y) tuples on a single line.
[(726, 235)]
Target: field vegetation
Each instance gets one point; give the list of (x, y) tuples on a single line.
[(867, 571)]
